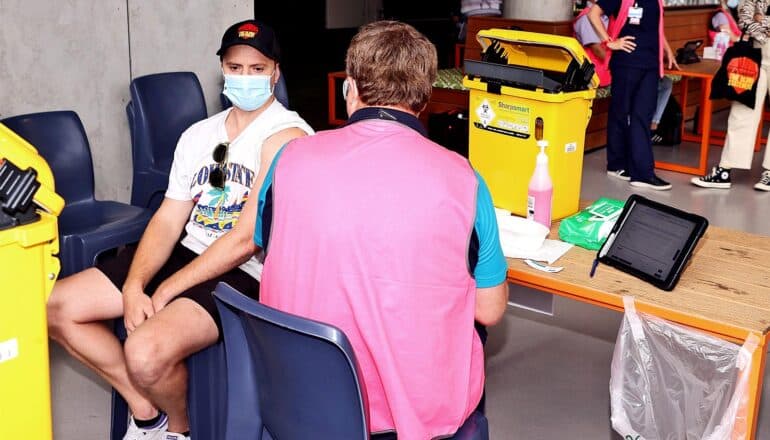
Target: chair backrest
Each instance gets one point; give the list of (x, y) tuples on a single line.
[(60, 138), (307, 380), (162, 106), (280, 91)]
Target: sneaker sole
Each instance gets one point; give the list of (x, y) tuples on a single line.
[(760, 187), (697, 182), (615, 175), (651, 186)]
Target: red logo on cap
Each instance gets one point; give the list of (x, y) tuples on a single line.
[(248, 31)]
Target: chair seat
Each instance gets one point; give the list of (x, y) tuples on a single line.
[(476, 427), (87, 229), (96, 216)]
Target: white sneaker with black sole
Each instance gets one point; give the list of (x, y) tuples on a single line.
[(619, 174), (655, 183), (718, 178), (764, 182), (156, 432)]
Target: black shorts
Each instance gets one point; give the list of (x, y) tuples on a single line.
[(116, 269)]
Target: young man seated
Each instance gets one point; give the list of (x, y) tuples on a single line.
[(162, 288)]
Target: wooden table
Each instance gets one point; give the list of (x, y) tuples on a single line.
[(703, 72), (724, 291)]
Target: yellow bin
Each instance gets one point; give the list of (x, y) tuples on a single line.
[(528, 81), (28, 269)]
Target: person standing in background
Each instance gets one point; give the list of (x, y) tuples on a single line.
[(723, 21), (587, 36), (743, 122), (636, 38)]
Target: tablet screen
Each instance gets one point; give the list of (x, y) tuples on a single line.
[(651, 240)]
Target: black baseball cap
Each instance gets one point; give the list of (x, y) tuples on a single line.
[(251, 33)]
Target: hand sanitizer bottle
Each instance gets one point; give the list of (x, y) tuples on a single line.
[(540, 192)]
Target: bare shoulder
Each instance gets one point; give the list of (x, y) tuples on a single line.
[(279, 138)]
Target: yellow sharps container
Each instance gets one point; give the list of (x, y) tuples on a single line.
[(529, 84), (28, 269)]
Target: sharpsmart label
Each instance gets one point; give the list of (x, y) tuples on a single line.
[(503, 117)]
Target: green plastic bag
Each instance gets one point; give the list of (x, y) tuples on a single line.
[(591, 226)]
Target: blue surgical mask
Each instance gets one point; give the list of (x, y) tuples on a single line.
[(248, 92), (732, 4)]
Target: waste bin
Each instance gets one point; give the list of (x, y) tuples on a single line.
[(28, 269), (526, 84)]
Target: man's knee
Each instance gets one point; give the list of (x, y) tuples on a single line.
[(59, 315), (145, 358)]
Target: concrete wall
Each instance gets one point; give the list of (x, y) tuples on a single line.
[(543, 10), (82, 54)]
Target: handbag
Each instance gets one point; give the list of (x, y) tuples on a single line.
[(737, 77), (687, 54)]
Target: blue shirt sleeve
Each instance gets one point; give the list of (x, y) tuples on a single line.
[(259, 240), (491, 268)]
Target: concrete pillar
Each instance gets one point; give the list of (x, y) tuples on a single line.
[(540, 10), (173, 35)]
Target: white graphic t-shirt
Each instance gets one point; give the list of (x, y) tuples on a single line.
[(217, 210)]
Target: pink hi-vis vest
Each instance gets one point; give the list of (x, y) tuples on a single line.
[(602, 66), (370, 232), (613, 30)]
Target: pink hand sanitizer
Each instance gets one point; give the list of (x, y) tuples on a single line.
[(540, 192)]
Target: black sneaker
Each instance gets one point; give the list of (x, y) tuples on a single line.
[(719, 178), (655, 183), (619, 174), (764, 182)]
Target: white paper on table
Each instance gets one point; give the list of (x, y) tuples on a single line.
[(710, 53), (550, 251)]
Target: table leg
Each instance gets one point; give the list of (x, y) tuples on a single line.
[(332, 89), (704, 138), (755, 385)]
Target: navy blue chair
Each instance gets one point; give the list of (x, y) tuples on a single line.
[(87, 227), (280, 92), (294, 378), (162, 107)]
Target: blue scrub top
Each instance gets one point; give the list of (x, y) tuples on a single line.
[(646, 55)]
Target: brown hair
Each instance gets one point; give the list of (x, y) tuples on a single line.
[(392, 64)]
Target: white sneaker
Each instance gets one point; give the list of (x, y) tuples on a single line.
[(619, 174), (155, 433), (175, 436), (764, 182)]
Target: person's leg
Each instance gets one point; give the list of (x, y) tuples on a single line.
[(617, 120), (665, 85), (76, 310), (641, 162), (742, 125), (156, 351)]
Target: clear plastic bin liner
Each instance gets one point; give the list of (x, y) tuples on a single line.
[(670, 382)]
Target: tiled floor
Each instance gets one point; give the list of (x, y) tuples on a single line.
[(547, 377)]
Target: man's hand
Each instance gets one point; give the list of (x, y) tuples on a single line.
[(137, 307), (160, 298), (625, 44)]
